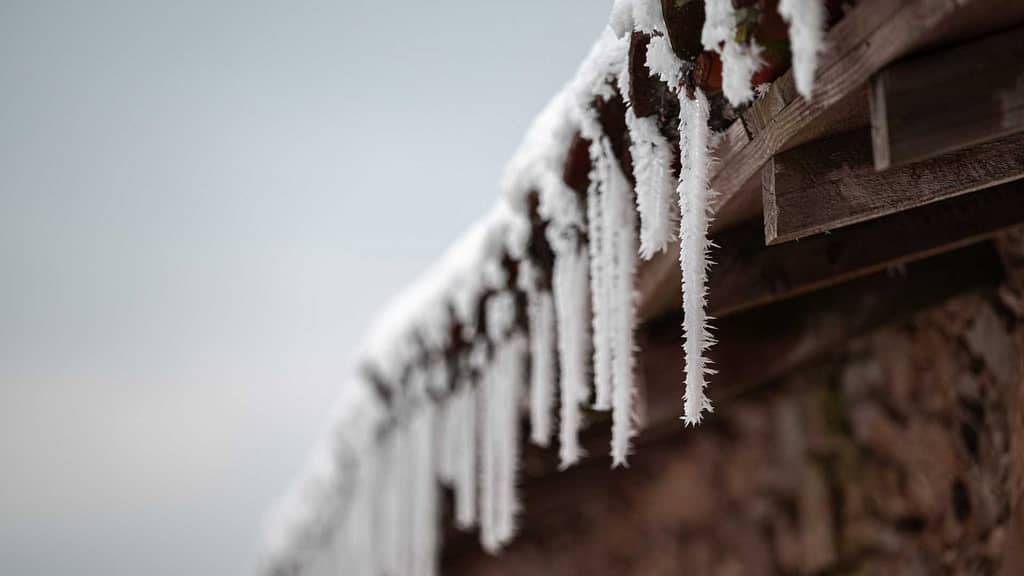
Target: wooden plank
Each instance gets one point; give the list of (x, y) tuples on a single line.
[(762, 345), (832, 183), (949, 99), (747, 275), (873, 34)]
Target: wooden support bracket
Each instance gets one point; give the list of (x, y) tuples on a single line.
[(832, 183)]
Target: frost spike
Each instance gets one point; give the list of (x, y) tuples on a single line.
[(465, 456), (655, 187), (623, 306), (598, 233), (542, 366), (571, 293), (806, 20), (694, 211), (424, 493)]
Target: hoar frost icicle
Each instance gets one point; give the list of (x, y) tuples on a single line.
[(655, 186), (571, 293), (500, 447), (650, 150), (694, 208), (739, 62), (598, 233), (541, 315), (424, 519), (618, 265), (806, 32), (464, 456)]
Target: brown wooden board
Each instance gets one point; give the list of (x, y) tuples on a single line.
[(747, 275), (832, 183), (870, 36), (946, 100)]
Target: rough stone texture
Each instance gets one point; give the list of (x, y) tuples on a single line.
[(900, 454)]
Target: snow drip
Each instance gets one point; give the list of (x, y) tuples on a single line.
[(806, 34), (739, 61), (694, 213)]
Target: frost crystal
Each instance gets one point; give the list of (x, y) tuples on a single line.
[(806, 33), (694, 209), (739, 61)]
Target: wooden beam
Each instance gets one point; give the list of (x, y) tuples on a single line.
[(747, 275), (872, 35), (760, 345), (949, 99), (832, 183)]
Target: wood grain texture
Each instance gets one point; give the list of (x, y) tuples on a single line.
[(747, 275), (872, 35), (949, 99), (832, 183)]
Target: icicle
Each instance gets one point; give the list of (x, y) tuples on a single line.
[(389, 504), (445, 435), (424, 493), (806, 34), (542, 366), (624, 313), (360, 543), (612, 274), (489, 399), (406, 488), (655, 186), (465, 457), (599, 272), (571, 291), (739, 62), (509, 379), (694, 208)]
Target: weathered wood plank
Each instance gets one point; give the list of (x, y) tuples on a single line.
[(949, 99), (873, 34), (747, 275), (832, 183)]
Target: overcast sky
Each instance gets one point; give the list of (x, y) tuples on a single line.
[(202, 204)]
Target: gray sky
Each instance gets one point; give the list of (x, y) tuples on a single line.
[(202, 204)]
